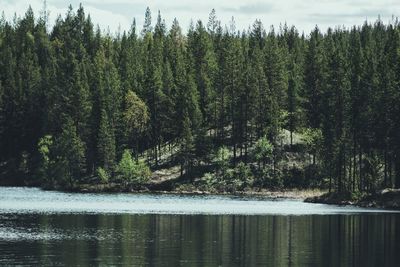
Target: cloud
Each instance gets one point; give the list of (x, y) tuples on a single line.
[(345, 18), (250, 9), (107, 19), (303, 14)]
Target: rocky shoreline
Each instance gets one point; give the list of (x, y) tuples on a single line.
[(300, 194), (384, 199)]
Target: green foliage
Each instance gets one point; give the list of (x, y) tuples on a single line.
[(69, 161), (62, 158), (136, 115), (103, 175), (236, 179), (241, 177), (133, 173), (268, 178), (372, 169), (97, 94), (221, 160), (203, 145), (44, 146), (135, 118), (263, 151), (187, 148), (1, 112), (313, 140), (106, 143), (210, 180)]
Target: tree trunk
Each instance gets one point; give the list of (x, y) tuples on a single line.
[(397, 171), (361, 185), (181, 169), (234, 155), (291, 139), (385, 168), (390, 170), (354, 164)]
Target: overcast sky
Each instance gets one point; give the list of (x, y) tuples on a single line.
[(304, 14)]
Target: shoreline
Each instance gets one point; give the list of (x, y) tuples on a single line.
[(299, 194), (383, 199), (292, 193)]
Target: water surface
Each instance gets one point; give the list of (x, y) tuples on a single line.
[(34, 200), (51, 228)]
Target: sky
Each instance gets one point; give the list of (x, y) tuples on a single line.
[(304, 14)]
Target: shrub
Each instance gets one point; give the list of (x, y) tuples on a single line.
[(44, 146), (263, 151), (294, 177), (221, 159), (242, 176), (269, 178), (210, 180), (103, 175), (132, 172)]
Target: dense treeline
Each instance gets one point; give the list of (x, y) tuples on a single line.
[(76, 102)]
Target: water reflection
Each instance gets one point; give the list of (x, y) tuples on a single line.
[(200, 240)]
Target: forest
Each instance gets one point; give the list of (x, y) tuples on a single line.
[(229, 109)]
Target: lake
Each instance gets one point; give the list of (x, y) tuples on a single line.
[(52, 228)]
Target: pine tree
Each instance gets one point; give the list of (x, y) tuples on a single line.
[(393, 57), (1, 120), (314, 79), (136, 117), (295, 65), (260, 93), (186, 146), (100, 94), (369, 85), (147, 28), (167, 105), (247, 97), (335, 100), (186, 100), (153, 86), (232, 73), (69, 156), (77, 100), (106, 143), (204, 65), (276, 74), (220, 95), (213, 23), (356, 67)]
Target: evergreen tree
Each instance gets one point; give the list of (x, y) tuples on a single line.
[(106, 143), (232, 71), (136, 118), (1, 120), (295, 67), (69, 164), (86, 96), (186, 146), (314, 79), (276, 74), (213, 23), (261, 93), (147, 28), (204, 65)]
